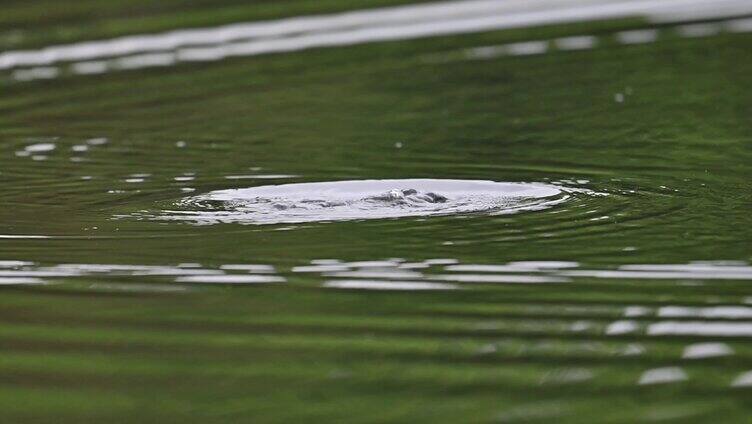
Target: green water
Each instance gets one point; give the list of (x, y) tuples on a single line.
[(97, 325)]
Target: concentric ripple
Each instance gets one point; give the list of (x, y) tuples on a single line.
[(365, 199)]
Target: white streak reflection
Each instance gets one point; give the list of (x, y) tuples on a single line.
[(739, 25), (358, 27), (581, 42), (230, 279), (514, 279), (700, 328), (713, 312), (743, 380), (698, 30), (388, 285), (621, 327), (662, 376), (12, 281), (641, 36), (706, 350)]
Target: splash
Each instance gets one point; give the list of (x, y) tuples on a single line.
[(365, 199)]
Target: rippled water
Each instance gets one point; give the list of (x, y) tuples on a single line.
[(364, 199), (494, 223)]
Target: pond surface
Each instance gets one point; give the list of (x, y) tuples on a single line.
[(507, 223)]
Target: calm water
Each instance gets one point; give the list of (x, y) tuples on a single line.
[(149, 272)]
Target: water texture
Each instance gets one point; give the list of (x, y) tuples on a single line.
[(364, 199), (506, 223)]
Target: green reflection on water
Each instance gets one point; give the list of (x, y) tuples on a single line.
[(674, 156)]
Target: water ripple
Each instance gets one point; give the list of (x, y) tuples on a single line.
[(365, 199)]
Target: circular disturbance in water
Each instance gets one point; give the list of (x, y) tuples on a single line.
[(363, 199)]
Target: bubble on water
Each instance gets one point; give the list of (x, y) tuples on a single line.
[(364, 199)]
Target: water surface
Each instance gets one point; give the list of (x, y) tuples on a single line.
[(388, 282)]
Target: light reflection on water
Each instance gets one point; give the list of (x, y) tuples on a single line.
[(396, 271), (390, 24)]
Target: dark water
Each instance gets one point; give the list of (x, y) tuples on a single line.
[(125, 297)]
